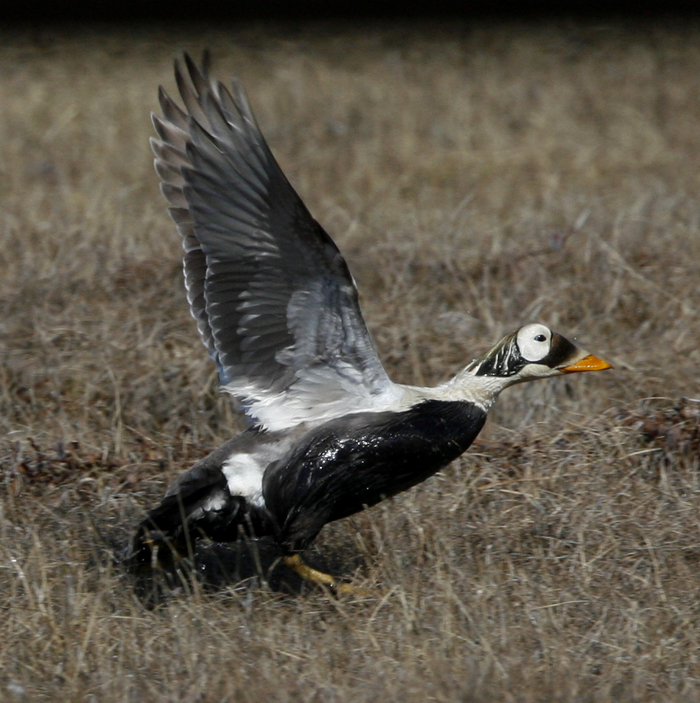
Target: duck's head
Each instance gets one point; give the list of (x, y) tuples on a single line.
[(531, 352)]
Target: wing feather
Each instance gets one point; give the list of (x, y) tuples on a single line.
[(273, 298)]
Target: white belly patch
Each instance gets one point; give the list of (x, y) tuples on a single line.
[(244, 478)]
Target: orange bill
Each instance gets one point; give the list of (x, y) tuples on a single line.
[(588, 363)]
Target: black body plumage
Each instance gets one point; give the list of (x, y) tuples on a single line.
[(354, 462), (331, 472)]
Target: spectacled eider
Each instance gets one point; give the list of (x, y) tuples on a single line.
[(278, 311)]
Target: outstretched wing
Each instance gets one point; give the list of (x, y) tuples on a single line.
[(273, 298)]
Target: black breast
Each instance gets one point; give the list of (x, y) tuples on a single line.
[(354, 462)]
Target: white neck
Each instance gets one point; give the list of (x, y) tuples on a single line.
[(480, 390)]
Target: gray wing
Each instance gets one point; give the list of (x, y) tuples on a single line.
[(273, 298)]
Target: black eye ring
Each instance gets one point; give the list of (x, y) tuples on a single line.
[(540, 338)]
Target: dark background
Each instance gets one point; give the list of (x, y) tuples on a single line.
[(156, 11)]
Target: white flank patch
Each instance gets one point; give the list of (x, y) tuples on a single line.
[(244, 478)]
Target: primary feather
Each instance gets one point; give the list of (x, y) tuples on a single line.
[(273, 298)]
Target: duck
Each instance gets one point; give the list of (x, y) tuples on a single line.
[(329, 433)]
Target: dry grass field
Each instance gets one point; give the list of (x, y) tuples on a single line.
[(476, 178)]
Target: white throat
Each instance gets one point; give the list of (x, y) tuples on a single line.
[(465, 386), (481, 390)]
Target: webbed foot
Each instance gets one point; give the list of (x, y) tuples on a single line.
[(308, 573)]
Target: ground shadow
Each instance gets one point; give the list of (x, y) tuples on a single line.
[(215, 567)]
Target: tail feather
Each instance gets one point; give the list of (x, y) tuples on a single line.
[(197, 505)]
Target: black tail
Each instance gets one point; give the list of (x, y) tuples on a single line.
[(197, 505)]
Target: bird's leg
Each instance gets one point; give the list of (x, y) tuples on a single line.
[(296, 564)]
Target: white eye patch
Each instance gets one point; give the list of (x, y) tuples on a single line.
[(534, 342)]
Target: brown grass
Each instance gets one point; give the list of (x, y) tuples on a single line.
[(476, 178)]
